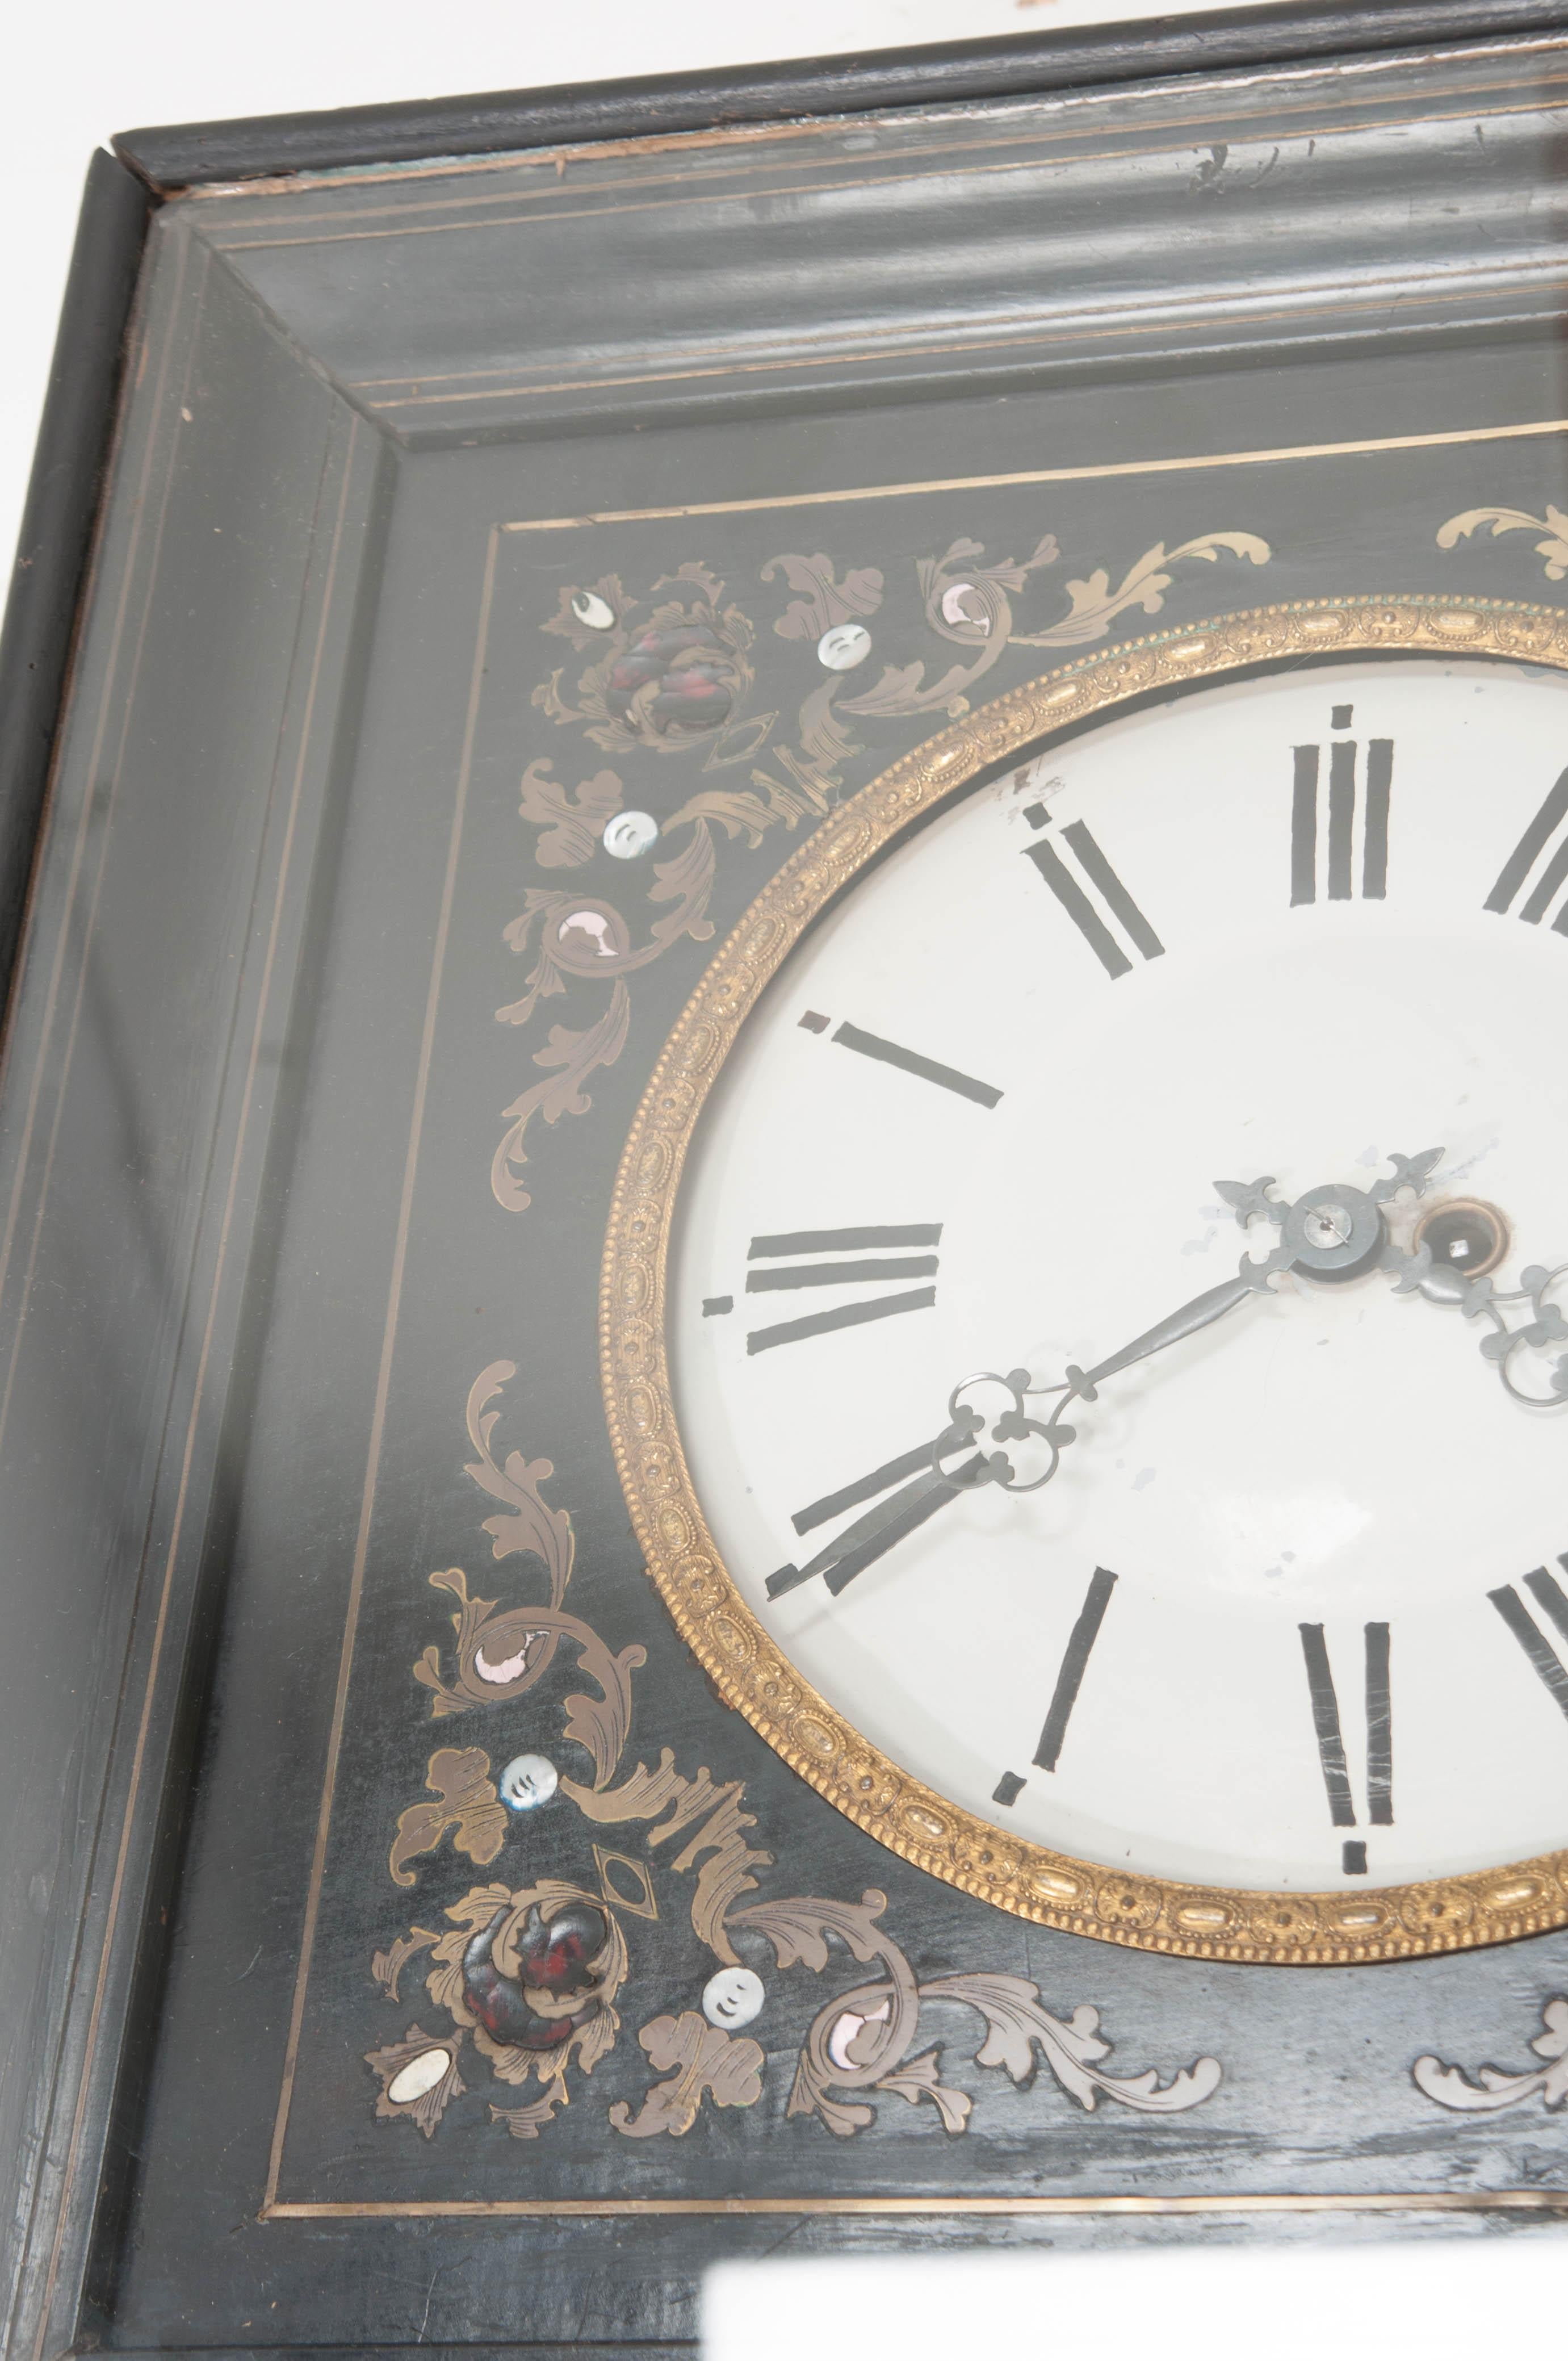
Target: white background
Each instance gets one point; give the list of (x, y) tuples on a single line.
[(78, 70), (75, 74), (1441, 2300)]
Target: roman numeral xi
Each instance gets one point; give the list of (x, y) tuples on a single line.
[(878, 1256)]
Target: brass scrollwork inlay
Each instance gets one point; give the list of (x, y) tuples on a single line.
[(530, 1976), (670, 673), (1484, 2089)]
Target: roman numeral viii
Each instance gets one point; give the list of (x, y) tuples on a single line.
[(1091, 894), (1358, 814), (841, 1259), (1330, 1737), (1537, 840)]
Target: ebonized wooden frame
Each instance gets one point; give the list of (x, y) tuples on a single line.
[(72, 2040), (150, 165)]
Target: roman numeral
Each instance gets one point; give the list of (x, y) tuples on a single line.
[(908, 1062), (1546, 825), (1069, 1680), (853, 1257), (1346, 793), (1075, 1659), (1548, 1594), (1067, 879), (1330, 1736)]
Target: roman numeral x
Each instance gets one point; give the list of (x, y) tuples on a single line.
[(850, 1258)]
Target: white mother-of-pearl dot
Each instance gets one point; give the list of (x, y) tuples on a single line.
[(594, 925), (500, 1676), (419, 2075), (733, 1996), (846, 2027), (845, 646), (528, 1781), (629, 833), (597, 613), (955, 608)]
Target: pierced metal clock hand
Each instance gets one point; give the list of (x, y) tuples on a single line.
[(894, 1517), (1511, 1339), (861, 1544), (1212, 1305), (1339, 1233), (1329, 1233), (1333, 1232)]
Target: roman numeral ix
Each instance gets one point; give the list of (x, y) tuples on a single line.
[(1548, 1595), (1330, 1737), (1091, 894), (1356, 794), (1537, 840), (850, 1258)]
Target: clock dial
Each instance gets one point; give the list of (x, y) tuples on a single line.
[(1179, 1079)]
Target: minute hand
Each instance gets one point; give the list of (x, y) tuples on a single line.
[(892, 1519), (1212, 1305)]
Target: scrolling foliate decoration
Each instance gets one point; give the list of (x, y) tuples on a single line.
[(1553, 549), (469, 1811), (1483, 2089), (419, 2077), (675, 674), (530, 1974), (700, 2058), (968, 604), (503, 1654)]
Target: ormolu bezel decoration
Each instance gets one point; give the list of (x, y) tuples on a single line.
[(742, 1657)]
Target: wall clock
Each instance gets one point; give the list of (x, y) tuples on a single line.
[(781, 1236)]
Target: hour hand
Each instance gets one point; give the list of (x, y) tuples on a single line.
[(893, 1519)]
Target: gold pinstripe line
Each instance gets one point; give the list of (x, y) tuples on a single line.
[(1196, 462)]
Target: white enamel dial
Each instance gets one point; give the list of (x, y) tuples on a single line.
[(1287, 1613)]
